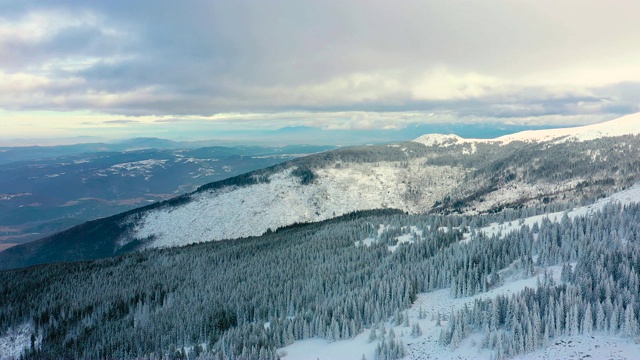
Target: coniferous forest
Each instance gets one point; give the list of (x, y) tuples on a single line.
[(246, 298)]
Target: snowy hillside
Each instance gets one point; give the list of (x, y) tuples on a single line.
[(236, 212), (430, 311), (626, 125), (15, 341), (424, 312), (440, 139), (624, 197), (340, 188), (442, 174), (384, 285)]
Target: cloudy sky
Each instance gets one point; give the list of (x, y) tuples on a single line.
[(122, 67)]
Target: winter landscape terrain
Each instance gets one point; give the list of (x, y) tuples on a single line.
[(319, 180), (525, 246), (344, 188), (430, 311), (434, 173)]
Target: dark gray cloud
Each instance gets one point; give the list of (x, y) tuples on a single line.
[(498, 59)]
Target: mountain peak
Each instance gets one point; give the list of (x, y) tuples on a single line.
[(626, 125)]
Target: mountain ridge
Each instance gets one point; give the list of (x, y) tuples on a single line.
[(626, 125), (466, 178)]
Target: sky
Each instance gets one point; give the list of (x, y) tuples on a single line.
[(200, 69)]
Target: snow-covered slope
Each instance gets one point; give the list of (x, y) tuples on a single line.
[(235, 212), (341, 187), (624, 197), (441, 302), (440, 139), (427, 346), (424, 346), (432, 174), (626, 125)]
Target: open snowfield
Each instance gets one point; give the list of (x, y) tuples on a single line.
[(250, 211)]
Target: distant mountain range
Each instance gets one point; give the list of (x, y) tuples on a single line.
[(435, 173), (26, 149), (41, 196), (9, 154)]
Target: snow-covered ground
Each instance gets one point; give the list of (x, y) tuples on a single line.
[(412, 186), (441, 303), (440, 139), (626, 125), (142, 165), (624, 197), (136, 168), (236, 212), (517, 191), (16, 341), (409, 238), (584, 347)]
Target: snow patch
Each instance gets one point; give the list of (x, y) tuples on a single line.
[(598, 346), (16, 341), (143, 165), (624, 197), (407, 238)]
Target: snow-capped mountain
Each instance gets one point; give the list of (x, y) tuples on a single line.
[(435, 173), (626, 125)]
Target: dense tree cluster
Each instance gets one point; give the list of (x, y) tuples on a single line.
[(599, 293)]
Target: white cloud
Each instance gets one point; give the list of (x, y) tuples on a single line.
[(442, 84), (349, 64)]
